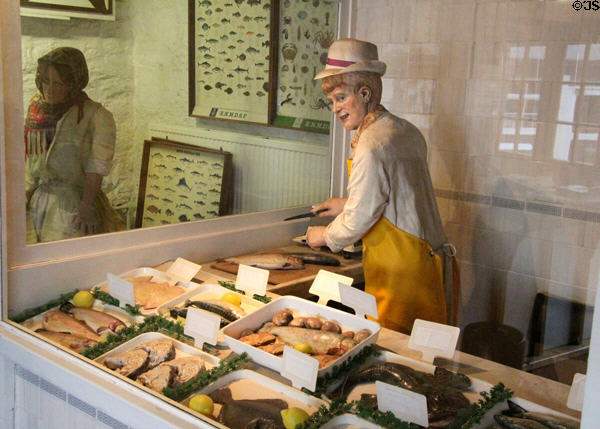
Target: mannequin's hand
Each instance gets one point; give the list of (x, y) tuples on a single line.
[(315, 237), (85, 219), (332, 207)]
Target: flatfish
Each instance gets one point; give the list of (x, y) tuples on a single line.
[(515, 413), (269, 261), (248, 413)]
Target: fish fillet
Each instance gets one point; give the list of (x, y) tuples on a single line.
[(73, 342), (157, 378), (150, 294), (158, 351), (57, 321), (96, 320), (186, 368), (130, 363), (321, 342)]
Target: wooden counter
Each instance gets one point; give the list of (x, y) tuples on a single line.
[(298, 286)]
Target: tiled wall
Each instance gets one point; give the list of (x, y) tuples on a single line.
[(507, 94)]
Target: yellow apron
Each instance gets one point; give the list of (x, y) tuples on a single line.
[(404, 274)]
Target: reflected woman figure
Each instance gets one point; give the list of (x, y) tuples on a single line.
[(69, 146)]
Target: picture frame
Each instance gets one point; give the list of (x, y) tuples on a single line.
[(103, 9), (306, 30), (180, 182), (223, 38)]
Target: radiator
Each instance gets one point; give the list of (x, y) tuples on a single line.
[(268, 173)]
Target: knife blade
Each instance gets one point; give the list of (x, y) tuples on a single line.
[(303, 215)]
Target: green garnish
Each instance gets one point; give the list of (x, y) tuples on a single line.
[(341, 371), (151, 324), (31, 312), (232, 363), (361, 409), (231, 286), (473, 415)]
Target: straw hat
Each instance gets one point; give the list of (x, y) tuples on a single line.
[(351, 55)]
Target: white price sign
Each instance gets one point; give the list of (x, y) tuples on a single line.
[(121, 289), (433, 339), (363, 303), (404, 404), (252, 280), (202, 325), (326, 286), (299, 368), (183, 270)]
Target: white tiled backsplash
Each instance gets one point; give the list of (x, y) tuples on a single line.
[(507, 94)]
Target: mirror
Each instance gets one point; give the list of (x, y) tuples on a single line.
[(138, 91)]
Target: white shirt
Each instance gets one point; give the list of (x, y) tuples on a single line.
[(389, 178)]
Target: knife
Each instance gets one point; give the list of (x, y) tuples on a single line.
[(303, 215)]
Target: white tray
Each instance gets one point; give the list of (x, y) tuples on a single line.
[(269, 388), (300, 307), (472, 395), (209, 291), (159, 276), (181, 350)]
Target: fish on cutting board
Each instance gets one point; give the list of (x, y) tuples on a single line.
[(273, 261), (316, 258)]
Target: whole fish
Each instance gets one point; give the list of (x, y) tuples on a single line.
[(73, 342), (248, 413), (517, 423), (222, 308), (182, 183), (96, 320), (552, 422), (58, 321), (321, 342), (269, 261), (317, 259)]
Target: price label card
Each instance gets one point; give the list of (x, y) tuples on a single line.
[(575, 399), (362, 302), (183, 270), (202, 325), (404, 404), (299, 368), (252, 280), (121, 289), (326, 286), (433, 339)]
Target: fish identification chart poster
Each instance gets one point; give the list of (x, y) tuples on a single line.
[(181, 183), (306, 30), (231, 53)]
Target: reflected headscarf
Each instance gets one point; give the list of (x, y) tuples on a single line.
[(42, 117)]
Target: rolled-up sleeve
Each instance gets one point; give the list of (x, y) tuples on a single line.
[(103, 143), (368, 193)]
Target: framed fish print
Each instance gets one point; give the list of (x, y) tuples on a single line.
[(306, 30), (103, 9), (232, 59), (181, 183)]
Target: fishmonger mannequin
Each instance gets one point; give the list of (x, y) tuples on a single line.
[(391, 205)]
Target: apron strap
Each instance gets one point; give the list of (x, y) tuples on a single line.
[(451, 281)]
